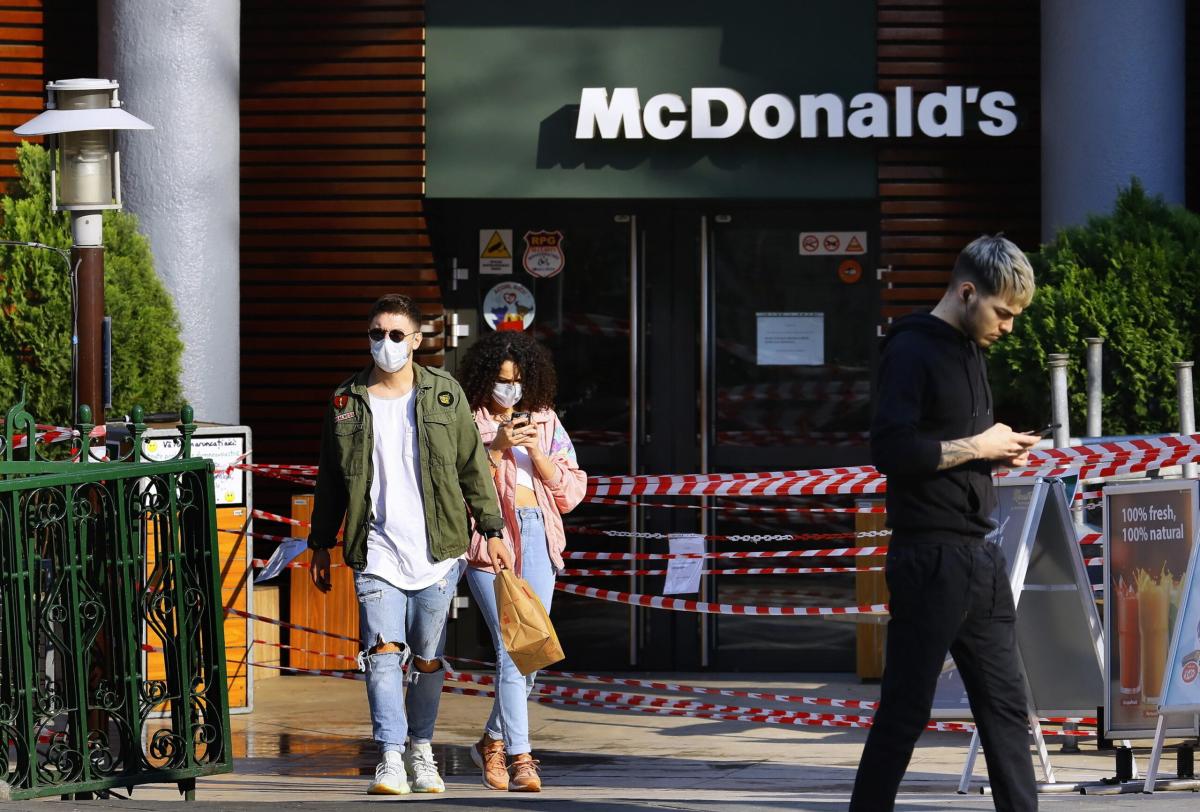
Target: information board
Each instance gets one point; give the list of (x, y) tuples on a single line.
[(1059, 633), (1149, 529), (225, 448)]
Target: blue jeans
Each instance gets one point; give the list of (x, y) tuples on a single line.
[(510, 710), (415, 620)]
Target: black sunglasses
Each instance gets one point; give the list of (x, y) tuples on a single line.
[(376, 334)]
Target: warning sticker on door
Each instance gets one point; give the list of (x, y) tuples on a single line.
[(495, 251), (832, 243), (543, 253), (509, 306)]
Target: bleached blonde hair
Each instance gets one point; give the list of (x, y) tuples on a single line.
[(998, 268)]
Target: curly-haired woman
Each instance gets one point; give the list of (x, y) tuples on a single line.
[(510, 384)]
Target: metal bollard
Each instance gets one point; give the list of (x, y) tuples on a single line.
[(1058, 398), (1095, 386), (1187, 408)]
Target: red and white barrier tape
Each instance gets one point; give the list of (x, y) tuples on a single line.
[(738, 571), (313, 672), (1103, 470), (295, 480), (287, 647), (580, 555), (604, 500), (275, 517), (681, 605), (1118, 447), (289, 470), (1088, 462), (646, 701), (48, 435), (277, 622), (864, 704), (292, 565), (628, 701), (631, 700)]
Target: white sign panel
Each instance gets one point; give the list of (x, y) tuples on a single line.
[(832, 243), (683, 574), (791, 339), (224, 451), (495, 251)]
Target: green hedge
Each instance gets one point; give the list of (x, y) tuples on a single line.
[(35, 299), (1132, 278)]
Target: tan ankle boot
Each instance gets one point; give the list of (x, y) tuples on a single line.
[(488, 755), (525, 778)]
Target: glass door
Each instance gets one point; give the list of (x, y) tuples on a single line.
[(585, 310), (787, 365)]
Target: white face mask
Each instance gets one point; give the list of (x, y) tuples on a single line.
[(507, 394), (390, 356)]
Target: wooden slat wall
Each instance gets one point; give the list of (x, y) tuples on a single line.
[(332, 217), (935, 195), (22, 57)]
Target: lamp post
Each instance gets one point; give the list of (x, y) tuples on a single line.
[(85, 179)]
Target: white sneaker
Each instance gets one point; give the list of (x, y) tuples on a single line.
[(418, 759), (389, 776)]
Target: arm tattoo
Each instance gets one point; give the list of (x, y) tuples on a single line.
[(956, 452)]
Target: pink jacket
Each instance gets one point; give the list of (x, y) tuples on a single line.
[(554, 498)]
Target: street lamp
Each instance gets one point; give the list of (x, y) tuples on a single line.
[(85, 179)]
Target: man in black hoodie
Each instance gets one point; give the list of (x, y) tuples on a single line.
[(935, 438)]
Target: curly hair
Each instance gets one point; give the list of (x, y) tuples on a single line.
[(535, 369)]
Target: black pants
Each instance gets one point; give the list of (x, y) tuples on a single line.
[(952, 597)]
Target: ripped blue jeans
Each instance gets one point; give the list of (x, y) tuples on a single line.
[(414, 620)]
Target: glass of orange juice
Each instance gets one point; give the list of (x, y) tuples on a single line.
[(1153, 623)]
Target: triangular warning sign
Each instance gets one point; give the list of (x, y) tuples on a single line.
[(496, 249), (854, 245)]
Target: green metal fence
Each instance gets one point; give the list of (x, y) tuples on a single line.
[(101, 562)]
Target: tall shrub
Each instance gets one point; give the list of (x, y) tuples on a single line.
[(1132, 278), (35, 305)]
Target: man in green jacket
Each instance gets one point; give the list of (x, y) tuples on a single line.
[(401, 461)]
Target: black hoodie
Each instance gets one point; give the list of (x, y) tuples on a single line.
[(932, 387)]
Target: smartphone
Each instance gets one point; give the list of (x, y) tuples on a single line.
[(521, 417), (1045, 431)]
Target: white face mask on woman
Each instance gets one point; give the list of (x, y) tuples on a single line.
[(507, 394), (390, 356)]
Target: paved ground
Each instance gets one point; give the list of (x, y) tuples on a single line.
[(307, 746)]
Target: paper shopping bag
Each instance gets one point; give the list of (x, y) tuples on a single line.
[(525, 626)]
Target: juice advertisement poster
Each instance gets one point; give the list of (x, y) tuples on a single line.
[(1149, 532), (1181, 689)]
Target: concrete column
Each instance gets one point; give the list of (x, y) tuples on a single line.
[(178, 64), (1112, 104)]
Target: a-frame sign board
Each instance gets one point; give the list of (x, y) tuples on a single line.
[(1060, 638)]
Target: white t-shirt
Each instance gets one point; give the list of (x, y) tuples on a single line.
[(397, 547)]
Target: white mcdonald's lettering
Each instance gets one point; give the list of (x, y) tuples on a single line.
[(721, 112)]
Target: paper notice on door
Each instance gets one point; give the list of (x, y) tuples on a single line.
[(791, 339), (683, 574)]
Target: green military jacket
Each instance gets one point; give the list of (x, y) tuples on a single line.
[(454, 469)]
